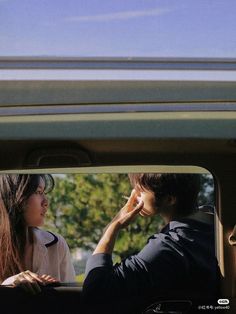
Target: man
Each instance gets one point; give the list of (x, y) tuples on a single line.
[(177, 260)]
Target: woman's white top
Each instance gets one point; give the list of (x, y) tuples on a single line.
[(51, 256)]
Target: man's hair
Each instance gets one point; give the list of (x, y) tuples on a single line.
[(185, 187)]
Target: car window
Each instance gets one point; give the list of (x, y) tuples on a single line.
[(81, 205)]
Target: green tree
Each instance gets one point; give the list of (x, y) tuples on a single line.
[(206, 195), (82, 205)]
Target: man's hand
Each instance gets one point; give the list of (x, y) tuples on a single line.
[(125, 216)]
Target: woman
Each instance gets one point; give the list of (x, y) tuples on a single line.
[(29, 256)]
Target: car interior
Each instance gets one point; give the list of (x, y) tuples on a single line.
[(89, 115)]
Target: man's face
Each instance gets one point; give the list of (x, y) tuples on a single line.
[(148, 198)]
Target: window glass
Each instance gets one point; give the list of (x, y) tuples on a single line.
[(81, 205)]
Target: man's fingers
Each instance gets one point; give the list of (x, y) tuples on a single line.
[(130, 216), (132, 198), (138, 207), (136, 210)]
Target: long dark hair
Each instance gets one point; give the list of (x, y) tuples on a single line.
[(15, 189)]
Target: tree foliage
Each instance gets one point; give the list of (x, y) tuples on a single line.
[(82, 205), (206, 195)]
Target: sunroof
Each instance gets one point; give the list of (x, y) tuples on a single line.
[(133, 28)]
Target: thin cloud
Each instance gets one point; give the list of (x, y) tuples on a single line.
[(125, 15)]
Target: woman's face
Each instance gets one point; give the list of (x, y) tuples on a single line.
[(148, 198), (36, 207)]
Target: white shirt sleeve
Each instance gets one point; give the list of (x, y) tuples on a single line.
[(9, 280)]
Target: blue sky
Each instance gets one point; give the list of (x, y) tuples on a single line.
[(128, 28)]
